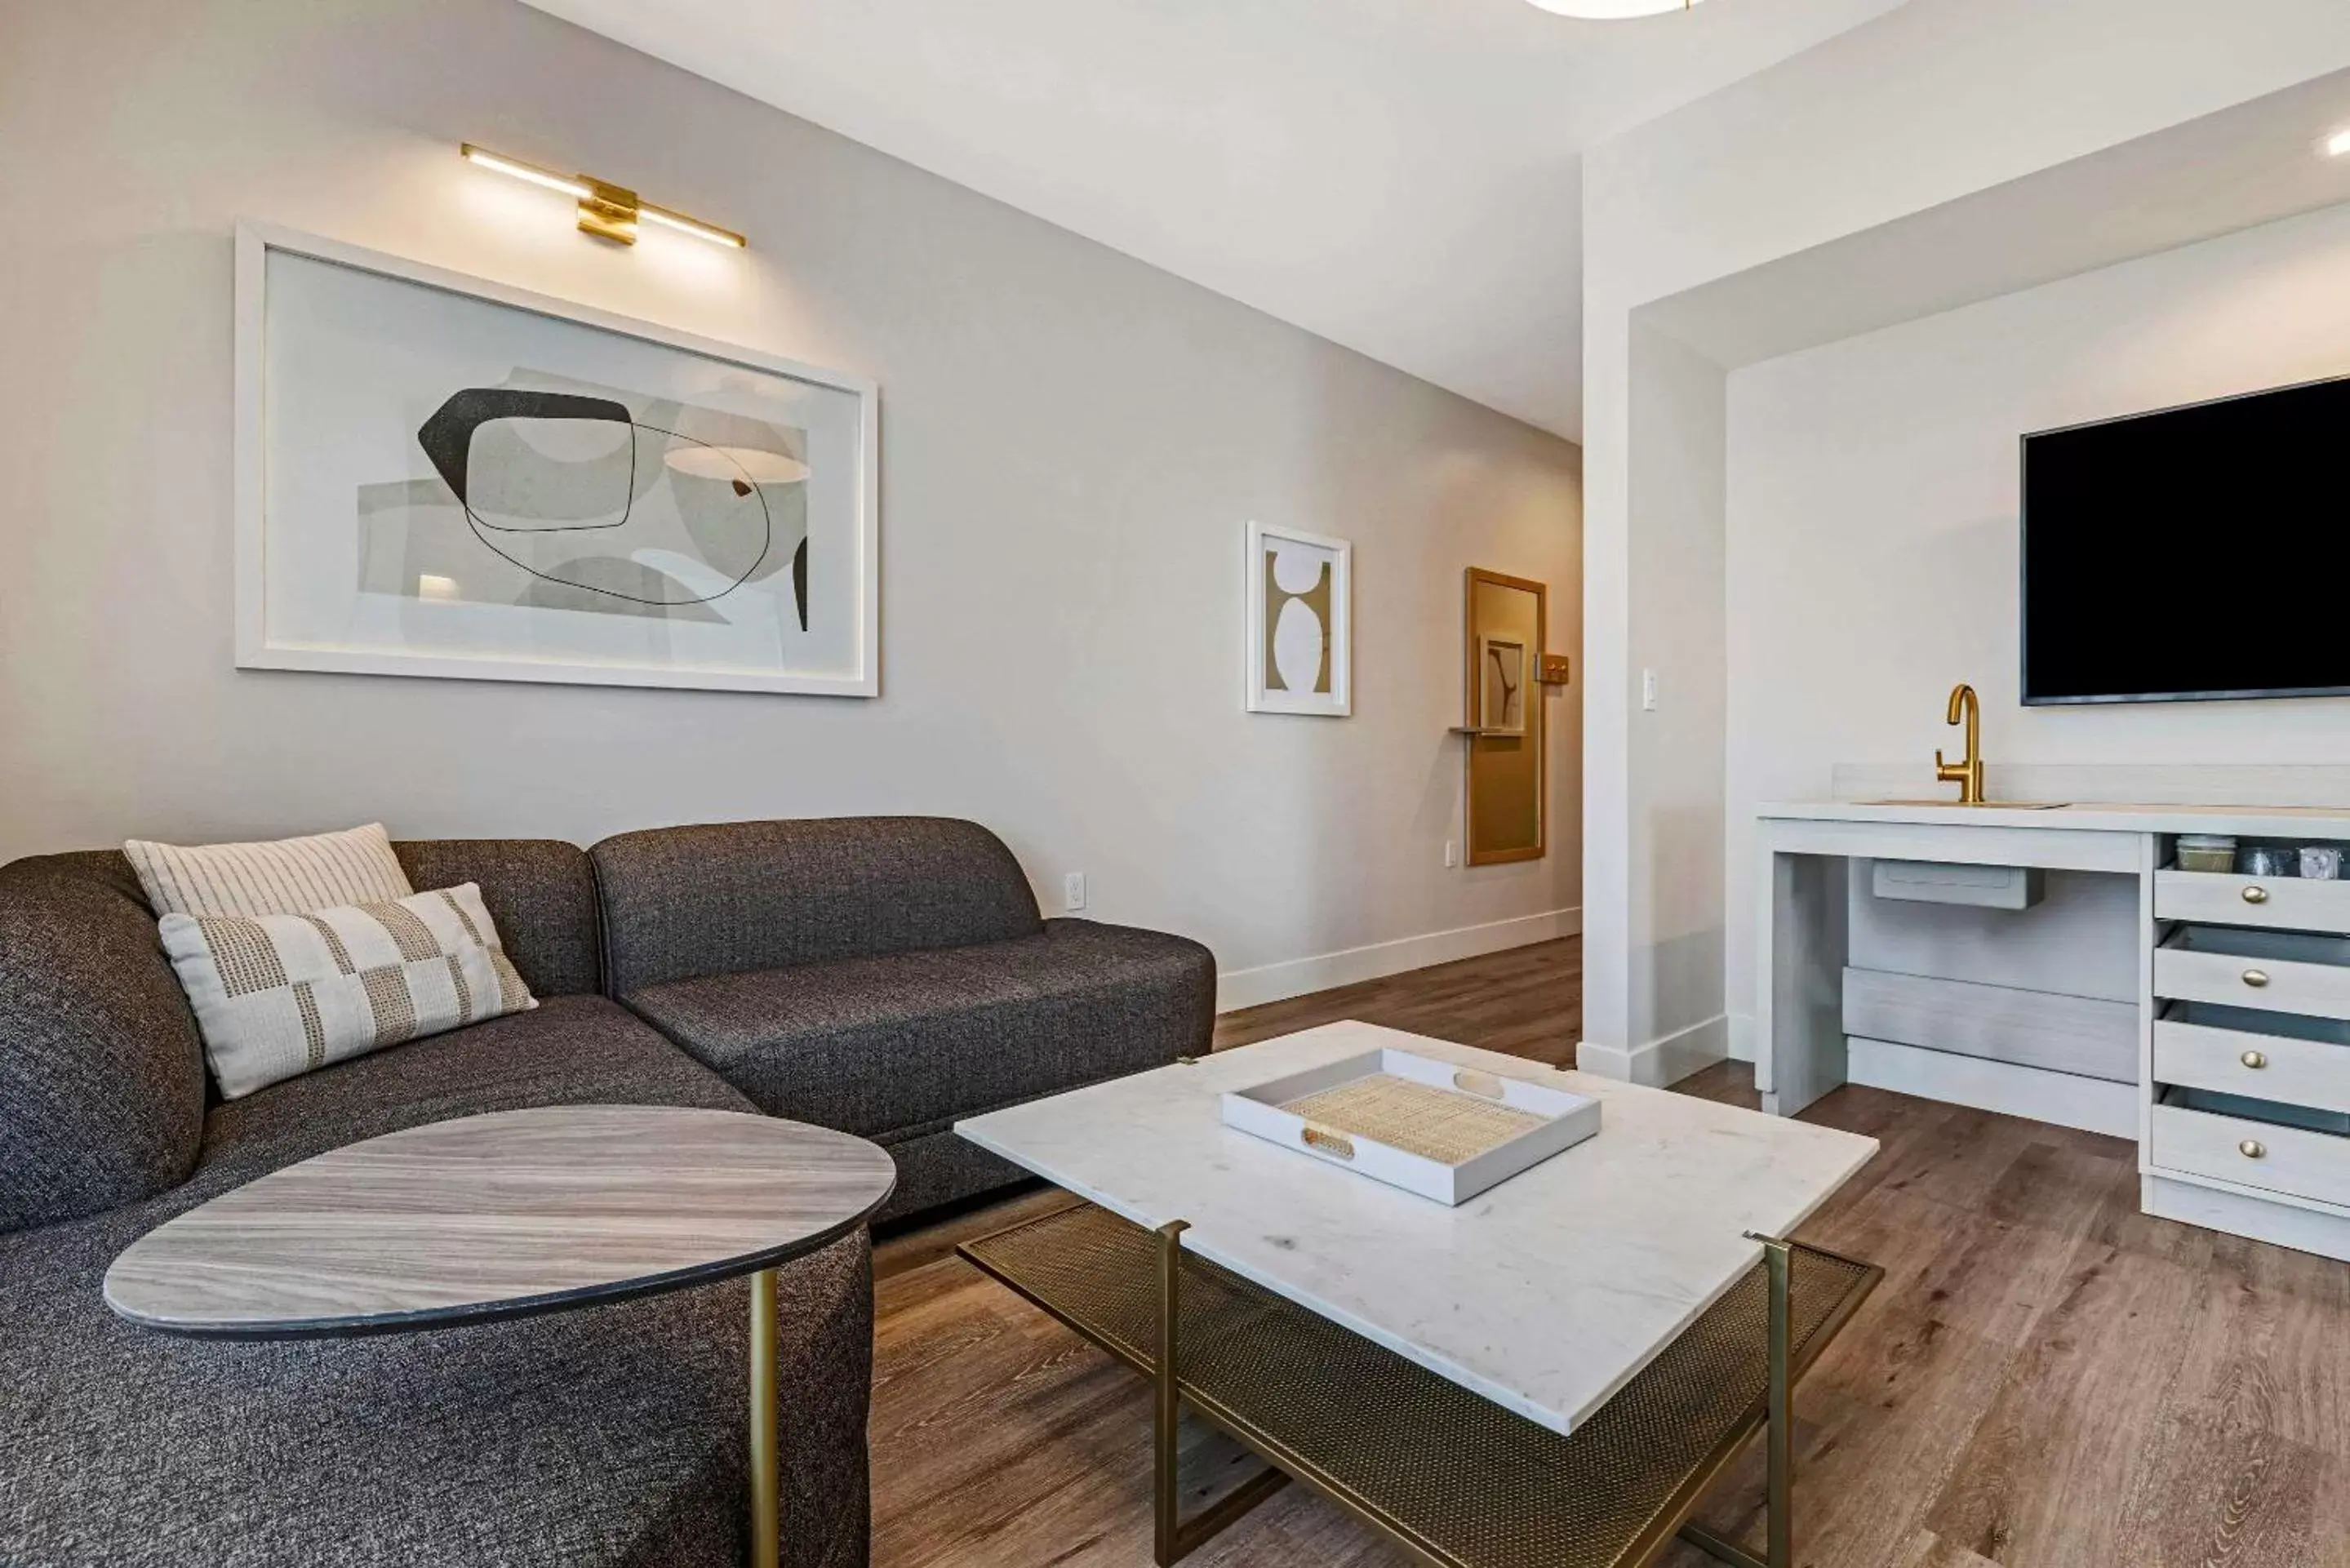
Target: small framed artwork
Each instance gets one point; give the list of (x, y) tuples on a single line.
[(439, 475), (1500, 685), (1300, 637)]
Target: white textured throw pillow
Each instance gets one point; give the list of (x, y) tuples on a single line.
[(278, 995), (286, 877)]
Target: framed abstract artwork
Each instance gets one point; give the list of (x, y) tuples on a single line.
[(1300, 635), (439, 475)]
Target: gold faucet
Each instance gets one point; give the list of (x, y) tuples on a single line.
[(1967, 774)]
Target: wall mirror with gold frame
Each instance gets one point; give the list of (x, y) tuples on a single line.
[(1505, 619)]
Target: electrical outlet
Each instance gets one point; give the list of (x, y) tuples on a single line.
[(1073, 891), (1451, 853), (1649, 690)]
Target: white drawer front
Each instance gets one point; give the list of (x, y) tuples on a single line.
[(2281, 985), (2304, 1164), (2286, 902), (2260, 1066)]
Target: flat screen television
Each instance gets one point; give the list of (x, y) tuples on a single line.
[(2194, 554)]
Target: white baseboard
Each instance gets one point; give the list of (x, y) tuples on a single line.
[(2092, 1105), (1741, 1037), (1662, 1062), (1240, 988), (2327, 1235)]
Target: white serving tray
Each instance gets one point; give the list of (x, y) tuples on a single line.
[(1567, 1119)]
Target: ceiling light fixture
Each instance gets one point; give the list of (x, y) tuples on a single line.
[(607, 210), (1613, 10), (2338, 145)]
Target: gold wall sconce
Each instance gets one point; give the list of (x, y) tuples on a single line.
[(607, 210)]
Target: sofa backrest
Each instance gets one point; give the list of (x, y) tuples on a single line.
[(683, 902), (102, 1071), (102, 1081), (540, 891)]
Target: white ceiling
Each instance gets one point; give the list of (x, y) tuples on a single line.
[(1401, 176)]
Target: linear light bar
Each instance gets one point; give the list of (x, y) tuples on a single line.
[(648, 212), (518, 170), (1612, 10), (607, 210)]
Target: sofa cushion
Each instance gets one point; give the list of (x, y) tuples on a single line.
[(684, 902), (101, 1073), (568, 1051), (608, 1435), (540, 891), (894, 1044)]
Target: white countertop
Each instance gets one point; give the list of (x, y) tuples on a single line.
[(2243, 820), (1545, 1293)]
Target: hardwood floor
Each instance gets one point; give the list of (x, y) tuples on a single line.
[(2046, 1379)]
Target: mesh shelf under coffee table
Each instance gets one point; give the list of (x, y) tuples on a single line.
[(1457, 1480)]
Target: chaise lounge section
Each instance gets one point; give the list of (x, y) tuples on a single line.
[(611, 1437)]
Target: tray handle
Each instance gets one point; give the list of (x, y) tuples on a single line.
[(1484, 1085), (1338, 1145)]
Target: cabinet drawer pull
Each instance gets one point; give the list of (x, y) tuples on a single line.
[(2256, 895), (2251, 1148), (2255, 1060), (2256, 978)]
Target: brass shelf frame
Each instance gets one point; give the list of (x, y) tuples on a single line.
[(1454, 1479)]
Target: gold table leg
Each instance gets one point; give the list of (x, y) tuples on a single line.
[(1778, 1436), (766, 1488), (1173, 1537), (1167, 1408)]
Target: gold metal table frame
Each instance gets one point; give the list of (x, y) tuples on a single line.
[(1455, 1479)]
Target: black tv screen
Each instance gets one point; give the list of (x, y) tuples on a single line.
[(2201, 552)]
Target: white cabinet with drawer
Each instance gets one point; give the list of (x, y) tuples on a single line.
[(2259, 1063), (2303, 1161), (2204, 1015), (2282, 972), (2279, 902)]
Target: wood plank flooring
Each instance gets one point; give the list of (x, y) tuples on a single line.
[(2046, 1379)]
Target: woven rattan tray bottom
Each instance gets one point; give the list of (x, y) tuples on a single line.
[(1442, 1125), (1466, 1481)]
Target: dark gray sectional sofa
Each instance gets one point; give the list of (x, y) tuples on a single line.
[(882, 976)]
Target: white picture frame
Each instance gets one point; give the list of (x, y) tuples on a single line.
[(849, 661), (1283, 626)]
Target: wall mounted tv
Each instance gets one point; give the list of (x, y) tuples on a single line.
[(2196, 553)]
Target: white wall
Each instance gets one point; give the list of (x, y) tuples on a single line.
[(1071, 443), (1935, 102), (1873, 532)]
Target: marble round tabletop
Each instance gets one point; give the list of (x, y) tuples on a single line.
[(500, 1215)]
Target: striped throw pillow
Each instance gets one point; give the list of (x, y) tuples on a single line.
[(286, 877), (279, 995)]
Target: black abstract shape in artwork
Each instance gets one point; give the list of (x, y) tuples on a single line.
[(447, 437), (448, 440)]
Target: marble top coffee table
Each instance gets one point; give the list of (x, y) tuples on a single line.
[(1628, 1307), (511, 1213)]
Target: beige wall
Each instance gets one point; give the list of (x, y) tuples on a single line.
[(1071, 443)]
